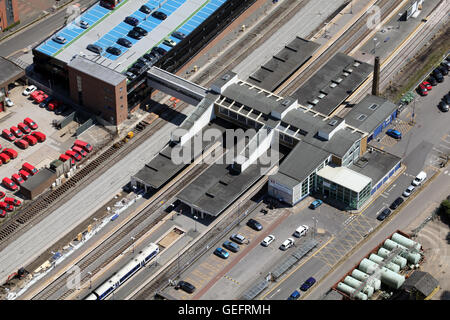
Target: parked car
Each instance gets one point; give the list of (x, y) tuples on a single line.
[(438, 75), (39, 136), (427, 85), (24, 174), (238, 238), (130, 75), (16, 132), (396, 203), (221, 253), (443, 106), (145, 9), (9, 184), (8, 135), (432, 80), (186, 286), (233, 247), (394, 133), (142, 31), (28, 90), (44, 103), (135, 35), (446, 98), (65, 157), (301, 231), (8, 102), (159, 15), (35, 93), (59, 39), (30, 139), (178, 35), (25, 129), (294, 295), (384, 214), (443, 70), (268, 240), (4, 158), (2, 213), (408, 191), (289, 242), (11, 153), (422, 90), (419, 178), (83, 144), (6, 206), (315, 204), (125, 42), (2, 194), (30, 123), (114, 51), (80, 151), (131, 21), (107, 4), (169, 43), (308, 284), (29, 168), (12, 201), (83, 24), (255, 225), (17, 179), (22, 143), (38, 99), (54, 104), (94, 48), (160, 51), (445, 64), (73, 154)]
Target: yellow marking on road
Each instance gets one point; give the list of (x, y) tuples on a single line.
[(231, 279), (298, 267)]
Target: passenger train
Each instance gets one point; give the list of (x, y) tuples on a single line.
[(139, 261)]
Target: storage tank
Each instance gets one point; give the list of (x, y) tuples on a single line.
[(391, 266), (361, 276), (387, 277), (412, 257), (404, 241), (355, 284), (382, 252), (368, 266), (349, 290)]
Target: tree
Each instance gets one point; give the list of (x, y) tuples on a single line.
[(445, 208)]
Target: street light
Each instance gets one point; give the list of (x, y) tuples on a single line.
[(374, 45), (195, 223), (90, 279), (132, 239)]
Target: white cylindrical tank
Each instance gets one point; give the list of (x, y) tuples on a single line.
[(391, 266), (361, 276), (404, 241), (355, 284), (349, 290), (382, 252), (387, 277), (412, 257), (368, 266)]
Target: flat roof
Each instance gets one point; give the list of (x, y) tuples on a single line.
[(345, 177), (370, 113), (9, 71), (35, 181), (289, 59), (106, 26), (375, 164), (97, 71), (317, 91)]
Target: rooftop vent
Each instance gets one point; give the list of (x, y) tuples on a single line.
[(333, 122), (338, 80), (332, 85), (322, 95), (226, 77), (314, 102), (349, 70), (346, 74), (357, 63), (373, 106), (286, 102), (361, 117)]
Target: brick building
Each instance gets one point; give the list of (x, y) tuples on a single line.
[(9, 13)]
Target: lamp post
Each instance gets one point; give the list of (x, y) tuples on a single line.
[(132, 239), (195, 223), (90, 279)]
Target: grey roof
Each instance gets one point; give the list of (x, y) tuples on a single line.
[(369, 113), (320, 83), (9, 71), (422, 282), (283, 64), (300, 163), (35, 181), (375, 164), (96, 70)]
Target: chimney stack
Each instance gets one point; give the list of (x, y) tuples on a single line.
[(376, 78)]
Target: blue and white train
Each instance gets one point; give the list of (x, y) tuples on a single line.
[(139, 261)]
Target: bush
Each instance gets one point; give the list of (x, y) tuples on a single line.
[(445, 208), (11, 26)]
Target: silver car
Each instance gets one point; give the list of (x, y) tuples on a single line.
[(59, 39), (408, 191), (83, 24)]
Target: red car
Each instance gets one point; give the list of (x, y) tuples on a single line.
[(33, 125), (80, 151), (2, 213), (427, 85), (422, 90), (24, 174), (17, 179), (23, 144), (9, 184), (16, 132), (64, 158), (11, 153), (30, 139), (25, 129), (86, 146), (4, 158), (29, 168), (54, 104), (2, 194), (41, 98), (39, 136), (8, 135), (6, 206), (12, 201), (73, 154), (36, 93)]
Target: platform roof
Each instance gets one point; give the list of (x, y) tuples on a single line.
[(9, 71), (345, 177)]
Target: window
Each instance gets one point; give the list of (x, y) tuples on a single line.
[(79, 87), (373, 106), (361, 117)]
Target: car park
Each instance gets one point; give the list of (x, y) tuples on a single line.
[(10, 152), (125, 42), (29, 122), (255, 225), (145, 9), (159, 15), (6, 206), (4, 158), (12, 201), (394, 133), (94, 48), (8, 102), (114, 51), (140, 30), (25, 129), (384, 214), (408, 191), (65, 157), (233, 247), (315, 204), (30, 139), (59, 39), (238, 238), (220, 252), (308, 284), (289, 242), (80, 151), (396, 203), (9, 184), (169, 43), (178, 35), (16, 131), (40, 137), (131, 21), (186, 286), (29, 168), (294, 295), (438, 75), (24, 174), (17, 179), (8, 135), (268, 240), (73, 154), (28, 90), (83, 24), (22, 143), (419, 178), (443, 106), (301, 231)]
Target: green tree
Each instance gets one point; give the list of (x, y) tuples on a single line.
[(445, 207)]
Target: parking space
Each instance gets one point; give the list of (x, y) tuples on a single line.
[(399, 124)]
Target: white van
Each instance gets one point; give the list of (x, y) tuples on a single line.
[(419, 178), (301, 231)]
